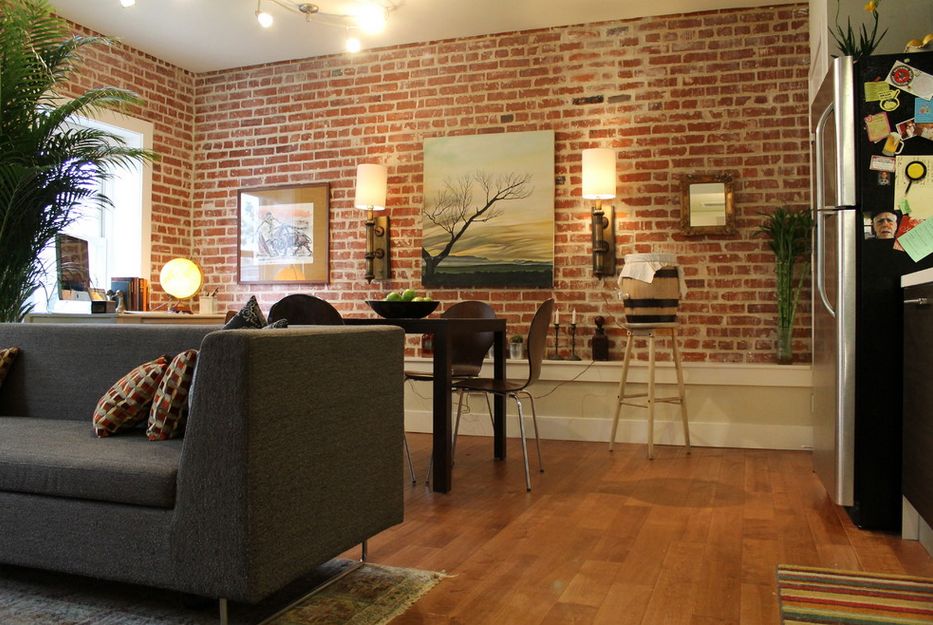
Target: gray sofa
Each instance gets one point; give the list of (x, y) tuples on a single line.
[(293, 454)]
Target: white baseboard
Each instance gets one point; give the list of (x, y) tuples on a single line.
[(666, 432)]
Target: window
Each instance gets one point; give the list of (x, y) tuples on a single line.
[(118, 236)]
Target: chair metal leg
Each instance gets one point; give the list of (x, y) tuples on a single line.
[(224, 618), (492, 419), (534, 421), (521, 429), (651, 395), (411, 467), (453, 445), (621, 392)]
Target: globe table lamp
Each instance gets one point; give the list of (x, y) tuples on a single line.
[(181, 278)]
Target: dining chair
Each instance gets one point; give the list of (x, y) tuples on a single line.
[(467, 351), (537, 345), (301, 309)]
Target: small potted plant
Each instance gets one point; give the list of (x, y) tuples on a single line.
[(516, 347)]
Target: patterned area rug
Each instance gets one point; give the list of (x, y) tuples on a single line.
[(370, 595), (815, 595)]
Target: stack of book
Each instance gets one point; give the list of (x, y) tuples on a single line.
[(135, 292)]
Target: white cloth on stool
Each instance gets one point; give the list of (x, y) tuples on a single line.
[(643, 267)]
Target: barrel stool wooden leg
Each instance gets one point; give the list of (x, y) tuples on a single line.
[(621, 393), (680, 387), (651, 394)]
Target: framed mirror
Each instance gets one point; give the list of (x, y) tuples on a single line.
[(706, 204)]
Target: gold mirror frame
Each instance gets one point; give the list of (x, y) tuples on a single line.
[(694, 179)]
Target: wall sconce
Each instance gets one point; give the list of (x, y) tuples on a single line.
[(371, 195), (181, 278), (599, 183)]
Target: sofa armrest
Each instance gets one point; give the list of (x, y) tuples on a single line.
[(293, 454)]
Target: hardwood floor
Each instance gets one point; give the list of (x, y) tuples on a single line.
[(618, 539)]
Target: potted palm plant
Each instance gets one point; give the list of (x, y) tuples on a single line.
[(48, 164), (788, 234)]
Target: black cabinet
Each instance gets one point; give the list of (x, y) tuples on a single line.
[(917, 484)]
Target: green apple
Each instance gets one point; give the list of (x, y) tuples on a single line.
[(408, 295), (393, 297)]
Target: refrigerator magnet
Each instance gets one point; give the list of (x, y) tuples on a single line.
[(923, 111), (876, 91), (884, 179), (877, 126), (882, 163), (907, 129), (911, 80)]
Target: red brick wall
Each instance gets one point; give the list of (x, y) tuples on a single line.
[(704, 92), (168, 92), (697, 93)]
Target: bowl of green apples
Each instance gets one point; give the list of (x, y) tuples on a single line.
[(406, 304)]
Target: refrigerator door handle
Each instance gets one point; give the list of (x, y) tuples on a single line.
[(820, 208)]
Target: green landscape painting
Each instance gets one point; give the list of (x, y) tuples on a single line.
[(488, 215)]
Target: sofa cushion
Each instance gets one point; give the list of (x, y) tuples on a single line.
[(170, 404), (249, 317), (128, 401), (7, 356), (61, 458)]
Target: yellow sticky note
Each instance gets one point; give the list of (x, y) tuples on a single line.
[(877, 91)]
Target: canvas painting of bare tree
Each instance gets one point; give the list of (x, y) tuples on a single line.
[(488, 214)]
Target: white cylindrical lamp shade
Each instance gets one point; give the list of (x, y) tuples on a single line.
[(599, 174), (180, 278), (371, 183)]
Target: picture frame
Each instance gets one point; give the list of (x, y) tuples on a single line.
[(283, 233), (707, 204)]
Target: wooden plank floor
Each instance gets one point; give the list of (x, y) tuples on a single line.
[(618, 539)]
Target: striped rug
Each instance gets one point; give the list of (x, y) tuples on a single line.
[(815, 595)]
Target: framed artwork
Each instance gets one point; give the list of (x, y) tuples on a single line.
[(488, 214), (282, 234)]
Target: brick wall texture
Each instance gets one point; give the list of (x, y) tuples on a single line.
[(711, 92)]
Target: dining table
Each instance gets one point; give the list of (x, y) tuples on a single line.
[(443, 329)]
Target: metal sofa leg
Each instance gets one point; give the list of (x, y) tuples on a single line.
[(364, 551), (224, 619)]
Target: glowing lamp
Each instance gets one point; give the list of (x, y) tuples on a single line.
[(371, 189), (599, 183), (181, 278)]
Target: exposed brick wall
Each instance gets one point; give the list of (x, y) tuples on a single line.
[(697, 93), (704, 92), (168, 92)]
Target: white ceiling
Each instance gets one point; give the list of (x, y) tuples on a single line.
[(205, 35)]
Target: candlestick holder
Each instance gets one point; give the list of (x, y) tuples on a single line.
[(557, 355), (573, 342)]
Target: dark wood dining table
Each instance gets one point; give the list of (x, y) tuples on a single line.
[(443, 330)]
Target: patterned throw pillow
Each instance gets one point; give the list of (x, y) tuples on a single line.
[(127, 402), (170, 405), (7, 356), (249, 317)]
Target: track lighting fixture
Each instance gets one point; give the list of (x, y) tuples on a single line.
[(369, 18)]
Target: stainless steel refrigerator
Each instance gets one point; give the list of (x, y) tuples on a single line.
[(857, 309)]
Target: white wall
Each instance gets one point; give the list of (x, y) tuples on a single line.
[(753, 406)]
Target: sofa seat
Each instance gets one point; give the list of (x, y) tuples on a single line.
[(65, 459)]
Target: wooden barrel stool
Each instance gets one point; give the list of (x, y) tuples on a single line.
[(650, 332)]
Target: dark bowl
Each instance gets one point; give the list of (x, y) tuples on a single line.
[(402, 310)]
